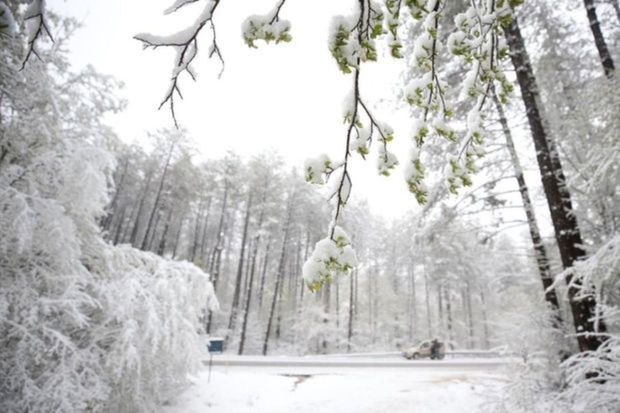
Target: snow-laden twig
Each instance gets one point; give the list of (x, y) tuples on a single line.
[(351, 44), (185, 43)]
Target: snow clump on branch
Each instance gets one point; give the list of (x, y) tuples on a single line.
[(331, 257), (316, 170), (264, 28)]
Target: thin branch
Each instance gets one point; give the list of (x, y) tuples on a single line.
[(276, 15), (186, 44), (36, 15)]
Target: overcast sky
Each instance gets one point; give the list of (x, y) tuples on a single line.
[(286, 97)]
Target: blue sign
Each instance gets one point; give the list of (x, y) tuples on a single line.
[(215, 345)]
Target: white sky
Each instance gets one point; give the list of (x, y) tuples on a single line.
[(286, 97)]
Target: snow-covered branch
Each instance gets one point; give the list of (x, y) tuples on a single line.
[(351, 44), (185, 43)]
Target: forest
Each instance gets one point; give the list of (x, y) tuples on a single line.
[(119, 258)]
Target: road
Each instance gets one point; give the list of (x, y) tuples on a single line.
[(342, 384), (344, 364)]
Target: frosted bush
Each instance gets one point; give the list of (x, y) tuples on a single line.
[(593, 377), (152, 310)]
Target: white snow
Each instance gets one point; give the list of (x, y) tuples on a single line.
[(181, 37), (342, 390)]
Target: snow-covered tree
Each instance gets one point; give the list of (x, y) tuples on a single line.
[(85, 325)]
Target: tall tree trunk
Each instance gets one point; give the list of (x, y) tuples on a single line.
[(252, 271), (216, 257), (216, 265), (375, 305), (177, 238), (133, 240), (327, 292), (296, 270), (599, 39), (303, 284), (441, 322), (616, 5), (151, 241), (470, 315), (238, 284), (119, 226), (564, 221), (485, 320), (540, 252), (278, 331), (125, 227), (229, 230), (197, 231), (297, 283), (427, 299), (337, 283), (247, 302), (351, 310), (356, 284), (261, 289), (369, 278), (246, 272), (161, 249), (280, 273), (204, 239), (446, 292), (411, 301), (248, 298), (107, 220), (162, 182)]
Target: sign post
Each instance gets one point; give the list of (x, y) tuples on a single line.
[(214, 345)]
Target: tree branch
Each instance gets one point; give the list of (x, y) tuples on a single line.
[(185, 43)]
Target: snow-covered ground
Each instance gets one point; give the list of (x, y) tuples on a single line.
[(290, 385)]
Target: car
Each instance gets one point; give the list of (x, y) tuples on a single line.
[(423, 350)]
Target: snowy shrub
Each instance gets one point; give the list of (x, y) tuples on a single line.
[(593, 377), (527, 329), (45, 353), (149, 323), (48, 357), (529, 388), (86, 326), (587, 381)]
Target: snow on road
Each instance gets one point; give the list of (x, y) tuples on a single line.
[(456, 387)]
